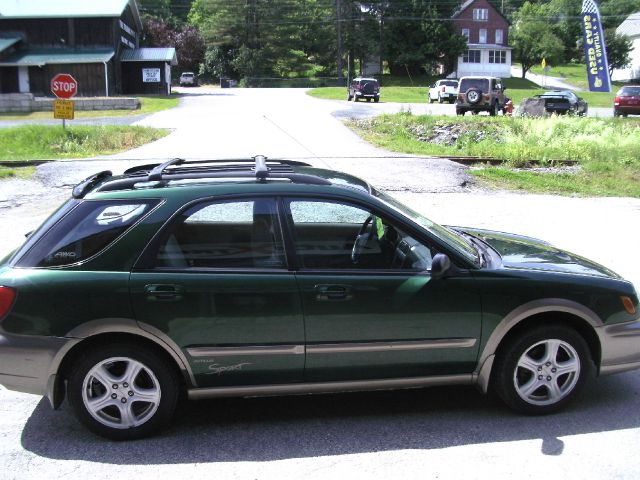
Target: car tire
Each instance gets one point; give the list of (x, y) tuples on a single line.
[(431, 100), (616, 114), (473, 96), (542, 369), (459, 112), (494, 110), (122, 391), (377, 99), (349, 97), (368, 100), (440, 99)]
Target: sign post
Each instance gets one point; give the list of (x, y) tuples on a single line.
[(65, 87)]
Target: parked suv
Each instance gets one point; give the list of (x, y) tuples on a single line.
[(188, 78), (480, 94), (368, 88), (261, 277)]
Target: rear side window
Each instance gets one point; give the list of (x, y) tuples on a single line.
[(85, 231)]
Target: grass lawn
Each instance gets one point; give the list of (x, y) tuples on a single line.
[(608, 150), (575, 74), (34, 142), (148, 104)]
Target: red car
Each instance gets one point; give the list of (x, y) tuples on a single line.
[(627, 101)]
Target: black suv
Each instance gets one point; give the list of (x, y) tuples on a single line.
[(364, 88), (480, 94)]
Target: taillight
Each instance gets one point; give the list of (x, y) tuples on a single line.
[(7, 296), (443, 89), (616, 101)]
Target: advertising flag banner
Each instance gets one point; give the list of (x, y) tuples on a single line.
[(595, 51)]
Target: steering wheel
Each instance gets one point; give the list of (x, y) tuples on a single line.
[(361, 240)]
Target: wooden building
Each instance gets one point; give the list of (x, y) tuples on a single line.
[(95, 41)]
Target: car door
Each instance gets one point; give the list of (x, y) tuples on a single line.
[(373, 310), (215, 281)]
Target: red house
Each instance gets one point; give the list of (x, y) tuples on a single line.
[(487, 32)]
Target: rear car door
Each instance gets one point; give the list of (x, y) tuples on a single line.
[(215, 280), (371, 308)]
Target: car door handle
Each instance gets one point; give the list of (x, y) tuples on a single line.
[(163, 292), (333, 293)]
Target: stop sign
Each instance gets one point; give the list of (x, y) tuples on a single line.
[(64, 85)]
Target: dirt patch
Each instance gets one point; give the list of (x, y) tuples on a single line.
[(449, 134)]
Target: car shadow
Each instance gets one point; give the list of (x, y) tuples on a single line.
[(263, 429)]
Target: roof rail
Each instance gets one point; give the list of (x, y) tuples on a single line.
[(81, 189), (259, 167)]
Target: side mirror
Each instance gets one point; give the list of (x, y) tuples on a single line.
[(440, 265)]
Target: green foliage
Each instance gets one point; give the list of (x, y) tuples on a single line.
[(619, 49), (34, 142), (532, 40)]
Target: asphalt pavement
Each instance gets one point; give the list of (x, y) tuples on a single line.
[(433, 433)]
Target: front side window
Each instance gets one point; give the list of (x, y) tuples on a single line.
[(225, 235), (497, 56), (338, 236), (471, 56), (85, 231)]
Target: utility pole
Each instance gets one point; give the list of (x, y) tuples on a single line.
[(339, 34), (381, 40)]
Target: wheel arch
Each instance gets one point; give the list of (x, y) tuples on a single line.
[(546, 311), (102, 332)]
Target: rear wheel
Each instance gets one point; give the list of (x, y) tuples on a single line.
[(460, 112), (377, 99), (542, 369), (440, 99), (494, 110), (123, 391)]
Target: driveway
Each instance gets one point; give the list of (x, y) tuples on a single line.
[(438, 433)]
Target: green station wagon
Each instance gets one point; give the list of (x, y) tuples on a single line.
[(261, 277)]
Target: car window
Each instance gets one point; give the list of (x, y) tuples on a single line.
[(450, 84), (226, 234), (629, 91), (87, 230), (479, 83), (339, 236)]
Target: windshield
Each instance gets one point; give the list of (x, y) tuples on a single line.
[(629, 92), (451, 238)]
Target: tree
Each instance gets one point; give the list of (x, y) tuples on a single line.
[(532, 38), (415, 36), (618, 50), (190, 48)]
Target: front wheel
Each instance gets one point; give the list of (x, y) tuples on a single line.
[(122, 391), (542, 369), (376, 99)]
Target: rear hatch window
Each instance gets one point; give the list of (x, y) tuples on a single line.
[(479, 83), (84, 232)]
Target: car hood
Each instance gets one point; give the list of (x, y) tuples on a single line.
[(520, 252)]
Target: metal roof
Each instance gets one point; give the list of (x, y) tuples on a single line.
[(631, 26), (7, 42), (66, 9), (38, 57), (149, 55)]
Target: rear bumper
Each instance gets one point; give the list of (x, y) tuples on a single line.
[(367, 95), (27, 361), (627, 109), (620, 347)]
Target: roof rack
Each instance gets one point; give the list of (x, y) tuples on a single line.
[(259, 167)]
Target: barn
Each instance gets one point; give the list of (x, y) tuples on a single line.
[(96, 42)]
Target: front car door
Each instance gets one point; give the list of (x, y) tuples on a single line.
[(215, 280), (371, 308)]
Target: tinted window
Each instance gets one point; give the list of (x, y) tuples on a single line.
[(449, 84), (85, 231), (330, 235), (231, 234), (629, 92), (479, 83)]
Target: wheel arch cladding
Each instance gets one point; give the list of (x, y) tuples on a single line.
[(102, 339)]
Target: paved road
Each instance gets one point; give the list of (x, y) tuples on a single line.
[(438, 433)]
